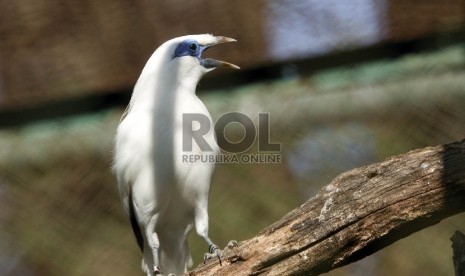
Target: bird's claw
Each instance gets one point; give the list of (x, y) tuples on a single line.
[(214, 252), (157, 271), (232, 244)]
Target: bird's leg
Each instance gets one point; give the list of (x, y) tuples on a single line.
[(154, 243), (201, 226)]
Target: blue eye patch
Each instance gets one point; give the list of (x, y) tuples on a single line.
[(189, 47)]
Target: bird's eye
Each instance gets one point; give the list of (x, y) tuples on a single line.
[(188, 48), (193, 47)]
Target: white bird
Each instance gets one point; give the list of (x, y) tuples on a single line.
[(164, 195)]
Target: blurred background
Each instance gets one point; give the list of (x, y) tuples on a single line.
[(346, 84)]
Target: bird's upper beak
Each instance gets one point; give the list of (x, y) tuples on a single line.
[(211, 63)]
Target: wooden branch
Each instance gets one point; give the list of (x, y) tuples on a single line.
[(358, 213), (458, 248)]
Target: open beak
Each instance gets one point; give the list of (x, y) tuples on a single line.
[(211, 63)]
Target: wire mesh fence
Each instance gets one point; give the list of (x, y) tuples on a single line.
[(59, 207)]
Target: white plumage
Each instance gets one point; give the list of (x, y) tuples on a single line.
[(164, 196)]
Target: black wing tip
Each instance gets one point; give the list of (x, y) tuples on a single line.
[(135, 224)]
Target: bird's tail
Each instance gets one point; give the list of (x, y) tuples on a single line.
[(135, 224), (174, 251)]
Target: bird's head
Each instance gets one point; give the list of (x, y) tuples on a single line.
[(186, 54)]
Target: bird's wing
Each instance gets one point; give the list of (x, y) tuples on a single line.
[(134, 223), (125, 113)]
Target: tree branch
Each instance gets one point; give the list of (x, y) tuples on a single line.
[(360, 212)]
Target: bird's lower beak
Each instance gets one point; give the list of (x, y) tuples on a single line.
[(211, 63)]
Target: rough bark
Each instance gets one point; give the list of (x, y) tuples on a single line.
[(360, 212)]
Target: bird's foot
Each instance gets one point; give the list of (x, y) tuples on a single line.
[(214, 251), (232, 244), (157, 271)]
